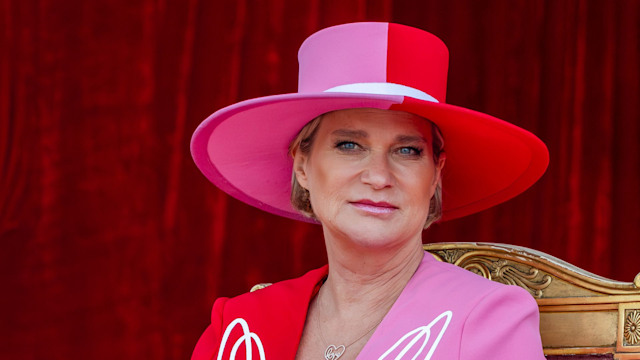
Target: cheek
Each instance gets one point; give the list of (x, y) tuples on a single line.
[(326, 202), (419, 188), (420, 180), (328, 173), (328, 186), (421, 198)]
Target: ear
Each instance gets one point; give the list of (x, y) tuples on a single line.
[(438, 169), (300, 162)]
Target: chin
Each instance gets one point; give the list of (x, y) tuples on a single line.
[(379, 235)]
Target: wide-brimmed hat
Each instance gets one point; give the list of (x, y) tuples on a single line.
[(243, 148)]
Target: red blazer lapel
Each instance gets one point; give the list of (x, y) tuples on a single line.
[(271, 320)]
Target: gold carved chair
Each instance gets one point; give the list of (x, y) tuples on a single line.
[(582, 315)]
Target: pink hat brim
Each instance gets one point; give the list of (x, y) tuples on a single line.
[(243, 149)]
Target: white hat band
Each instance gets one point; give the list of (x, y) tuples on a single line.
[(383, 89)]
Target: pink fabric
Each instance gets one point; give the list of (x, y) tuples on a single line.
[(487, 320), (237, 146), (581, 357), (242, 148), (468, 318), (335, 59), (231, 156)]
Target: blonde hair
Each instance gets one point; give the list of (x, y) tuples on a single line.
[(303, 143)]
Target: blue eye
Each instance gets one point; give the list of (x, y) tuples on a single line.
[(411, 151), (347, 145)]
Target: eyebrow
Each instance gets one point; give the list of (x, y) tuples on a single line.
[(410, 138), (350, 133), (361, 134)]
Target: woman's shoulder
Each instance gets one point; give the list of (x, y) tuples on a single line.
[(458, 274), (452, 281), (280, 294), (461, 315), (274, 315)]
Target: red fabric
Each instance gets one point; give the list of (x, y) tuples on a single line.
[(467, 187), (425, 69), (275, 314), (113, 246), (274, 317)]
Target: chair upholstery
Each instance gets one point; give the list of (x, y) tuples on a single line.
[(582, 315)]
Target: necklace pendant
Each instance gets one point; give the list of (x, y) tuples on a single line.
[(334, 352)]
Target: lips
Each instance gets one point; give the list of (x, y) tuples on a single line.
[(374, 207)]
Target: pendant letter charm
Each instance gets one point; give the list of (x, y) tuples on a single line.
[(334, 352)]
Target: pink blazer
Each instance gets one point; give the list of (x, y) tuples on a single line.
[(444, 312)]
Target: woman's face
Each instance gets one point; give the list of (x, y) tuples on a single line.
[(370, 175)]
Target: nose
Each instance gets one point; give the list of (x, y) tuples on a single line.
[(377, 172)]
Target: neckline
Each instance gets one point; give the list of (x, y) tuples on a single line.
[(322, 276)]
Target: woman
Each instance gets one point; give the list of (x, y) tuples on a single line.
[(370, 168)]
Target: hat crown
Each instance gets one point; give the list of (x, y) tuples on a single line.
[(366, 65), (373, 53)]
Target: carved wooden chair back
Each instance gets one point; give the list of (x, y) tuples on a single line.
[(582, 315)]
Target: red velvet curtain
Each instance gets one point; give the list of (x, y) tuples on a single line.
[(113, 245)]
